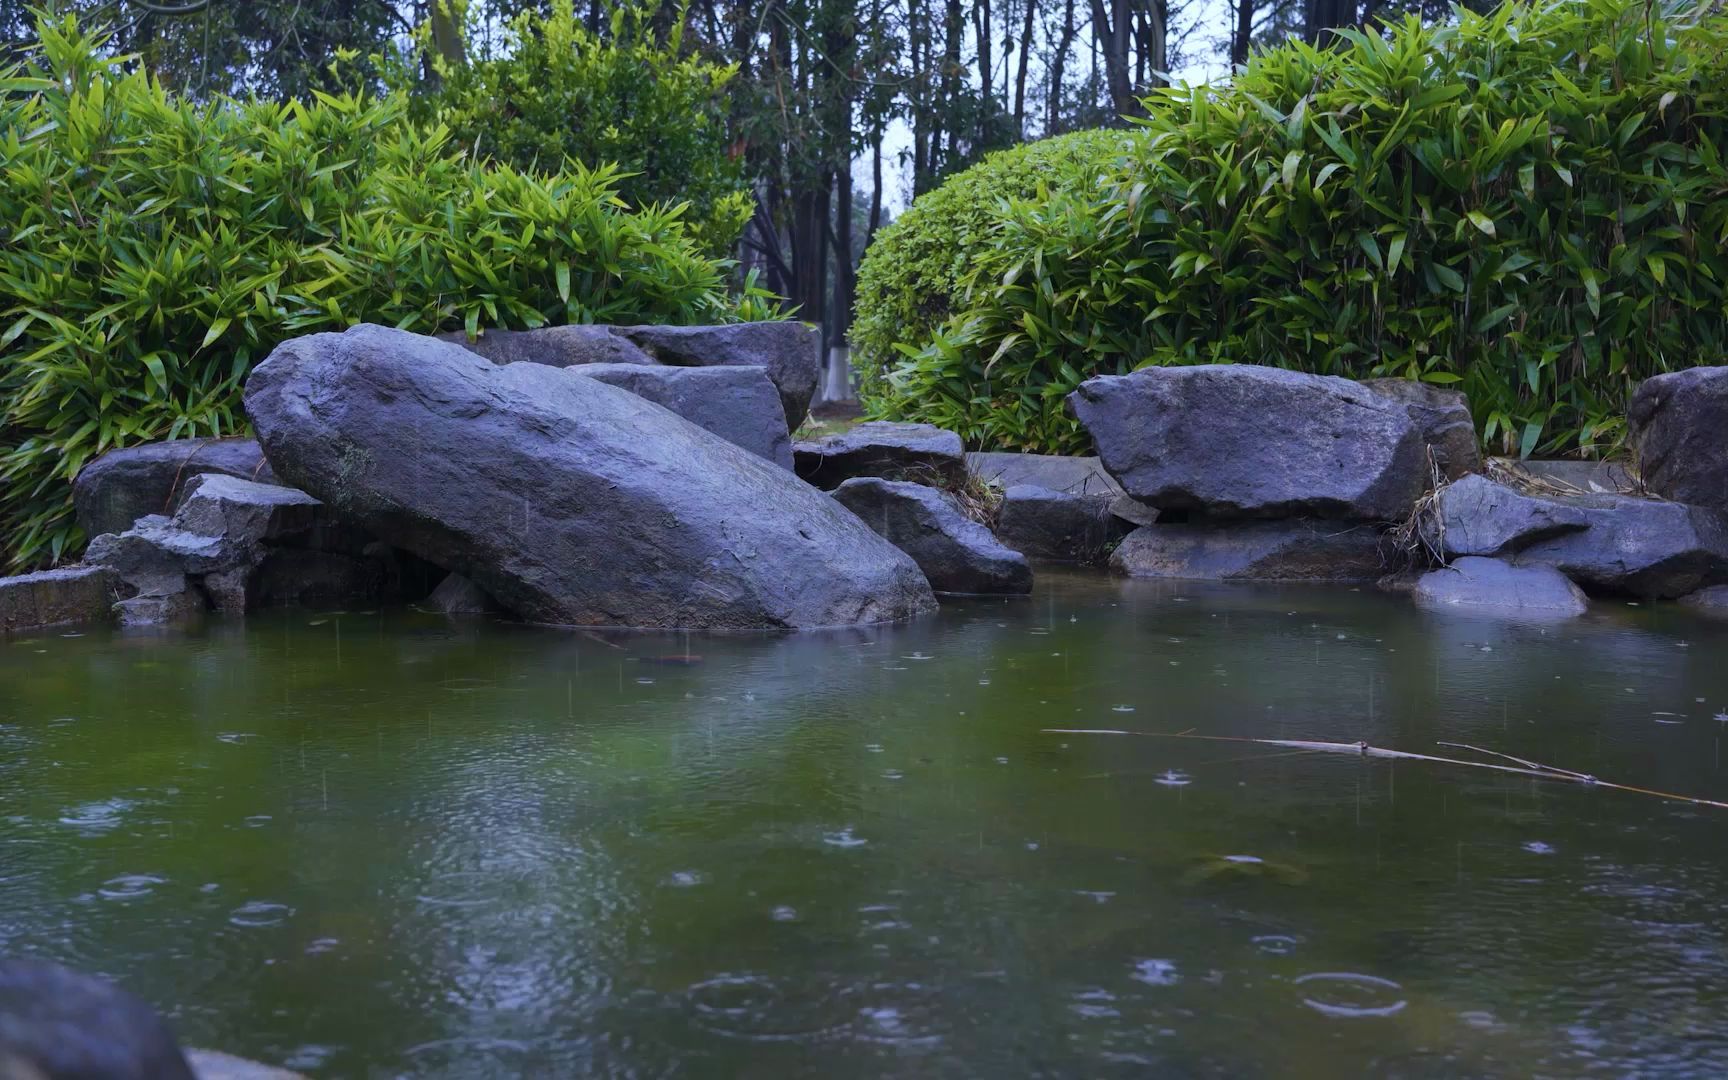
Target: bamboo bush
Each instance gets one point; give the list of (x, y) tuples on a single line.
[(1525, 204), (153, 250)]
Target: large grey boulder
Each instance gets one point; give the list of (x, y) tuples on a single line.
[(63, 597), (1287, 550), (1058, 525), (1443, 416), (1254, 442), (1679, 427), (1490, 586), (957, 554), (567, 500), (1476, 516), (884, 449), (738, 404), (791, 351), (554, 346), (1638, 547), (1068, 474), (124, 485)]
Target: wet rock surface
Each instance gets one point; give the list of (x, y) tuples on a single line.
[(956, 554), (567, 500), (1237, 441), (124, 485), (1492, 586), (789, 351), (739, 404), (1679, 425), (1638, 547), (64, 597), (1057, 525), (883, 449), (1476, 516), (1068, 474), (1443, 416), (553, 346), (1288, 550)]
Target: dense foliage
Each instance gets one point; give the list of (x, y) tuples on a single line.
[(1528, 204), (914, 274), (152, 250), (557, 92)]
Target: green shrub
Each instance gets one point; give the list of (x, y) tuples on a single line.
[(1529, 204), (913, 276), (151, 251), (556, 93)]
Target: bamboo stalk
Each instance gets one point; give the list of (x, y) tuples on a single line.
[(1362, 749)]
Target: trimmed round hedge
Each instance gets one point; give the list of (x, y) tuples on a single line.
[(916, 272), (1530, 204)]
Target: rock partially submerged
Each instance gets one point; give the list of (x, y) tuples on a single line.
[(921, 453), (1638, 547), (738, 404), (1493, 587), (957, 554), (1679, 426), (1255, 442), (567, 500), (124, 485), (1057, 525), (790, 351), (64, 597), (1476, 516), (1287, 550)]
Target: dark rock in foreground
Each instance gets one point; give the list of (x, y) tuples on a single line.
[(1493, 587), (884, 449), (1638, 547), (1254, 442), (554, 346), (1291, 550), (1443, 416), (738, 404), (1679, 425), (1476, 516), (1059, 526), (957, 554), (124, 485), (567, 500), (65, 597), (789, 350), (59, 1024)]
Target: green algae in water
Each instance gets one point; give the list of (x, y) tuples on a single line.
[(388, 844)]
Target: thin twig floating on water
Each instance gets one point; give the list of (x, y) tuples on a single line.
[(1362, 749)]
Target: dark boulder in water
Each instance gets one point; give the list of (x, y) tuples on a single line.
[(59, 1024)]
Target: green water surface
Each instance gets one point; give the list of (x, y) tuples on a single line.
[(386, 844)]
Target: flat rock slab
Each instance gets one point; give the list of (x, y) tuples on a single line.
[(957, 554), (1057, 525), (1069, 474), (738, 404), (1638, 547), (124, 485), (567, 500), (1255, 442), (1476, 516), (1679, 427), (68, 596), (1444, 418), (921, 453), (1289, 550), (554, 346), (790, 351), (1494, 587)]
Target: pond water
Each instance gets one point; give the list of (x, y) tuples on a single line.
[(381, 844)]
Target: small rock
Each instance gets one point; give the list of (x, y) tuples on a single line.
[(790, 351), (1068, 474), (124, 485), (553, 346), (1476, 516), (1678, 424), (920, 453), (1444, 418), (957, 554), (1055, 525), (1254, 442), (738, 404), (64, 597), (1289, 550), (1490, 586)]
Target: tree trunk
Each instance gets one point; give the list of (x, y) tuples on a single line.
[(1243, 36), (447, 33), (1059, 69), (1020, 76)]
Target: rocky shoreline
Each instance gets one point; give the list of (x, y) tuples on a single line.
[(647, 477)]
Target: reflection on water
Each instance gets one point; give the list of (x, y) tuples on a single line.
[(391, 845)]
